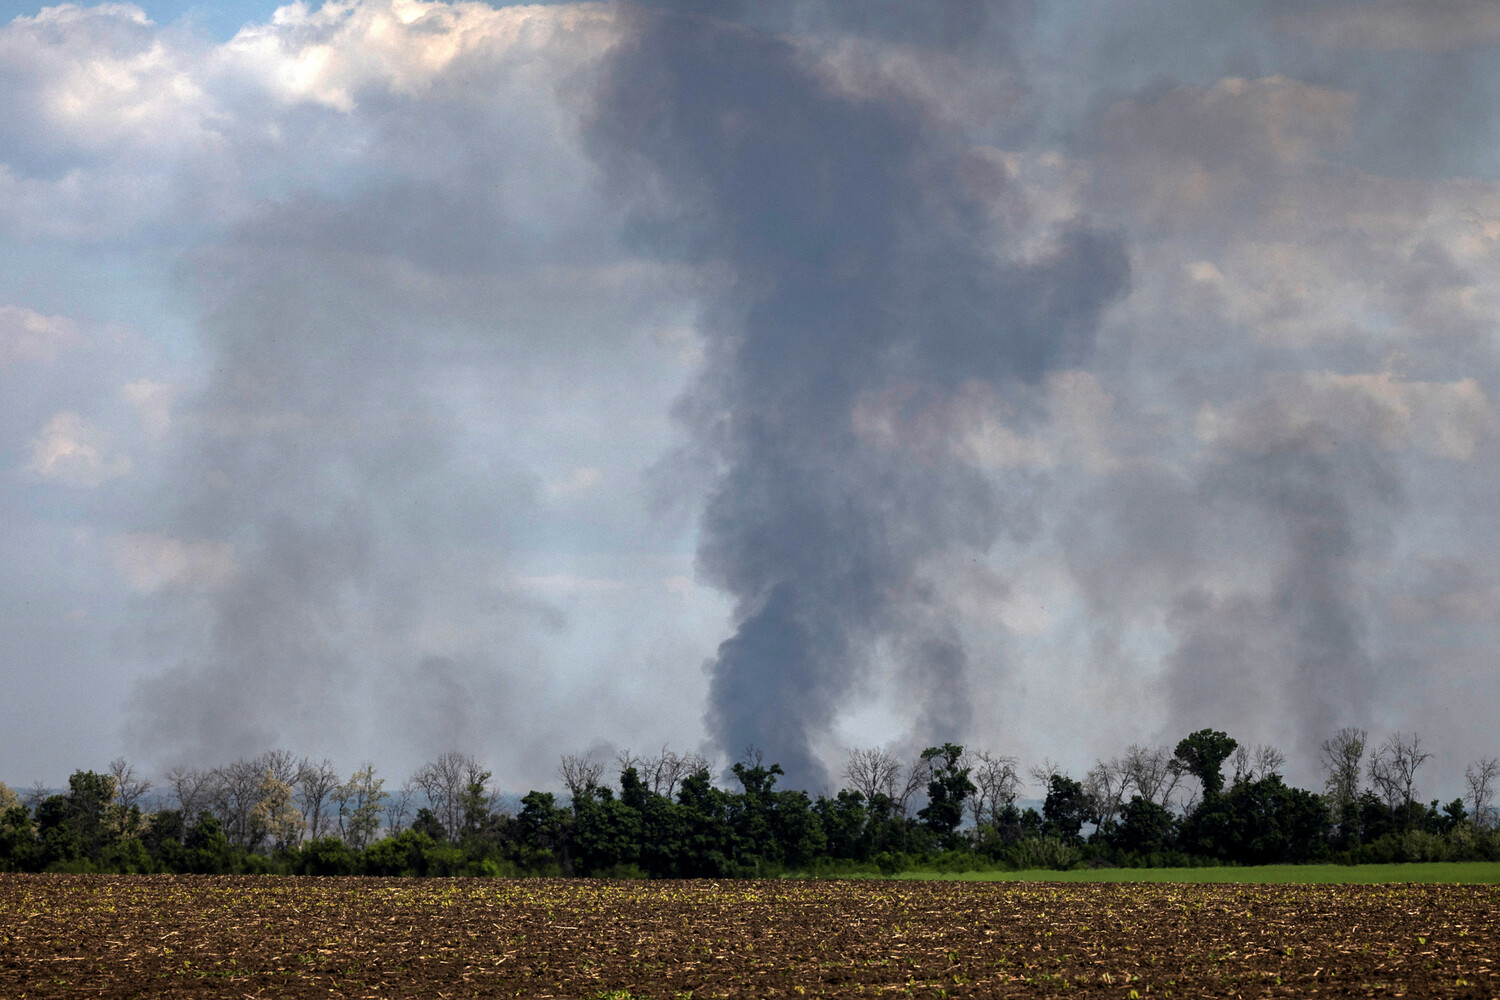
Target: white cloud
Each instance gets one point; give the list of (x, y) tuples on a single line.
[(683, 341), (154, 562), (583, 479), (152, 402), (565, 585), (116, 124), (71, 450), (680, 585), (329, 55), (27, 336), (105, 77)]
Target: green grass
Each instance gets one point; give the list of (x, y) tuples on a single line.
[(1486, 872)]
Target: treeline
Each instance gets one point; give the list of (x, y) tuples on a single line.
[(1205, 801)]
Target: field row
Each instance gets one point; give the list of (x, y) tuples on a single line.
[(114, 936)]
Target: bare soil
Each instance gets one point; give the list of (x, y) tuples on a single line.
[(183, 935)]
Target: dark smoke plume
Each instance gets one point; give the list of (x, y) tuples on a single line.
[(860, 260)]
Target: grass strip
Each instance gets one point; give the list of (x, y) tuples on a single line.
[(1436, 872)]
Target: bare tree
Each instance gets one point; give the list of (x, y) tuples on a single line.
[(1244, 769), (1149, 771), (579, 773), (626, 759), (1480, 778), (1042, 773), (871, 772), (129, 787), (37, 794), (446, 782), (997, 783), (315, 782), (191, 789), (662, 772), (689, 764), (918, 774), (1105, 784), (233, 791), (400, 805), (283, 765), (1264, 761), (1269, 761), (1394, 766), (1341, 759)]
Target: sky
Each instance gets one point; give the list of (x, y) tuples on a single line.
[(379, 379)]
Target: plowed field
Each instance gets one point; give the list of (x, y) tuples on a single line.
[(111, 936)]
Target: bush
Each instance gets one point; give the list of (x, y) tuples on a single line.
[(408, 853), (325, 856), (1041, 852), (127, 857), (1420, 845)]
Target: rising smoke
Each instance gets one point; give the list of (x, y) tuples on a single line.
[(862, 261)]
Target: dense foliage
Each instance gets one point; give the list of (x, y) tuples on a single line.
[(687, 826)]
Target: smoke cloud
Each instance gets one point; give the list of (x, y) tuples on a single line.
[(862, 258), (387, 379)]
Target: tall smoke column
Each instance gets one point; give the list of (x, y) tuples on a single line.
[(860, 260)]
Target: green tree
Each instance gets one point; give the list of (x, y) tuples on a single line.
[(476, 807), (206, 849), (409, 853), (1065, 810), (90, 796), (1145, 827), (947, 790), (663, 832), (606, 832), (18, 847), (797, 830), (1259, 823), (750, 812), (428, 823), (162, 838), (708, 841), (1454, 813), (1202, 754), (59, 844), (542, 827), (325, 856), (843, 819)]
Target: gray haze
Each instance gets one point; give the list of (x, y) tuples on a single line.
[(389, 378)]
